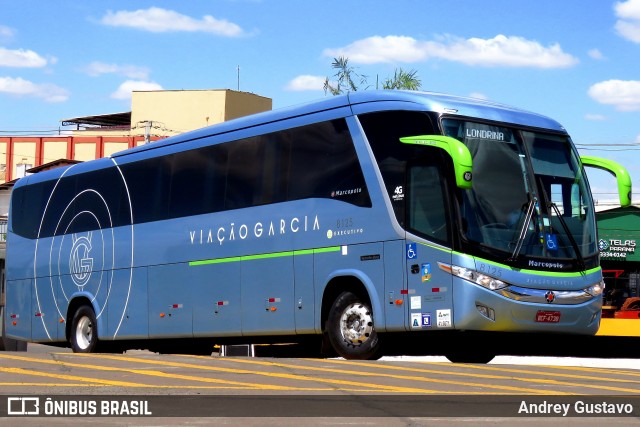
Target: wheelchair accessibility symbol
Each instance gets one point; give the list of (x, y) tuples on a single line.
[(552, 242), (412, 250)]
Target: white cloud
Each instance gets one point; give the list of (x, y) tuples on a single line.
[(97, 68), (594, 117), (595, 54), (306, 82), (21, 58), (21, 87), (624, 95), (378, 49), (158, 20), (125, 89), (500, 51), (628, 23)]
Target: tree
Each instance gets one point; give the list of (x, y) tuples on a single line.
[(346, 79), (403, 80)]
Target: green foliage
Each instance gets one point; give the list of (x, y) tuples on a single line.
[(407, 80), (347, 79)]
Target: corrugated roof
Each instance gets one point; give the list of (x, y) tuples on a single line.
[(102, 120)]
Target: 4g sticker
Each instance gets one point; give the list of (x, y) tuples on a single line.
[(398, 194)]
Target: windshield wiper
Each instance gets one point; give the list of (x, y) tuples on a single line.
[(551, 205), (573, 242), (523, 230)]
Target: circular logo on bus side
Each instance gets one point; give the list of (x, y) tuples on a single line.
[(85, 248), (80, 261)]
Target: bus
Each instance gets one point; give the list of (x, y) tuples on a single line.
[(348, 221)]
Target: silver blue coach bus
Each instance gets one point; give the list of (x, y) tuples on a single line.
[(353, 218)]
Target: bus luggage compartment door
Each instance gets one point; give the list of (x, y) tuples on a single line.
[(170, 307), (267, 296), (18, 313), (395, 285)]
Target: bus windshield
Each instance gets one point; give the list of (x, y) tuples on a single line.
[(529, 196)]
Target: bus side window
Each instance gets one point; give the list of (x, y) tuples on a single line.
[(324, 164), (427, 211)]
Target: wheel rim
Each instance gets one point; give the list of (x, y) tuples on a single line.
[(84, 333), (356, 324)]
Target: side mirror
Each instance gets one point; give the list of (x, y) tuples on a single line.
[(620, 172), (459, 153)]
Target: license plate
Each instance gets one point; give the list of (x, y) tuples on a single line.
[(547, 316)]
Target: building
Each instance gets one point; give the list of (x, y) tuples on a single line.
[(153, 115), (618, 240)]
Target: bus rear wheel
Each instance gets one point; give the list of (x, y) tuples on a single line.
[(84, 330), (350, 328)]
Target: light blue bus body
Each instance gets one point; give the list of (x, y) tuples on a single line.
[(202, 237)]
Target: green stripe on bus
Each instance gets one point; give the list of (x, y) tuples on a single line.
[(534, 272), (521, 270), (264, 256)]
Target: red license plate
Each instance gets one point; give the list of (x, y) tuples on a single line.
[(547, 316)]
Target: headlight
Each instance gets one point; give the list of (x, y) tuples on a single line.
[(483, 280), (595, 290)]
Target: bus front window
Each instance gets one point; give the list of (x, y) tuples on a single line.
[(528, 197)]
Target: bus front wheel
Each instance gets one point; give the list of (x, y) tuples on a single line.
[(84, 330), (350, 328)]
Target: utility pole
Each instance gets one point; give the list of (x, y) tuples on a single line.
[(238, 69)]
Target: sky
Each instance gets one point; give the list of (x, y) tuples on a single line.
[(577, 61)]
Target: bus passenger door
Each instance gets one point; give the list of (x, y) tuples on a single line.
[(428, 219)]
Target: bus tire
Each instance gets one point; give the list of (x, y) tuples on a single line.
[(351, 330), (84, 330)]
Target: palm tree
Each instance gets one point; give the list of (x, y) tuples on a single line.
[(407, 80), (346, 76)]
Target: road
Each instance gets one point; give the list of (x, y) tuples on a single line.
[(391, 391)]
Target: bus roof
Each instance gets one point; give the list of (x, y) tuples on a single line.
[(373, 100)]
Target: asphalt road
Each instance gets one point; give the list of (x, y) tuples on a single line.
[(199, 390)]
